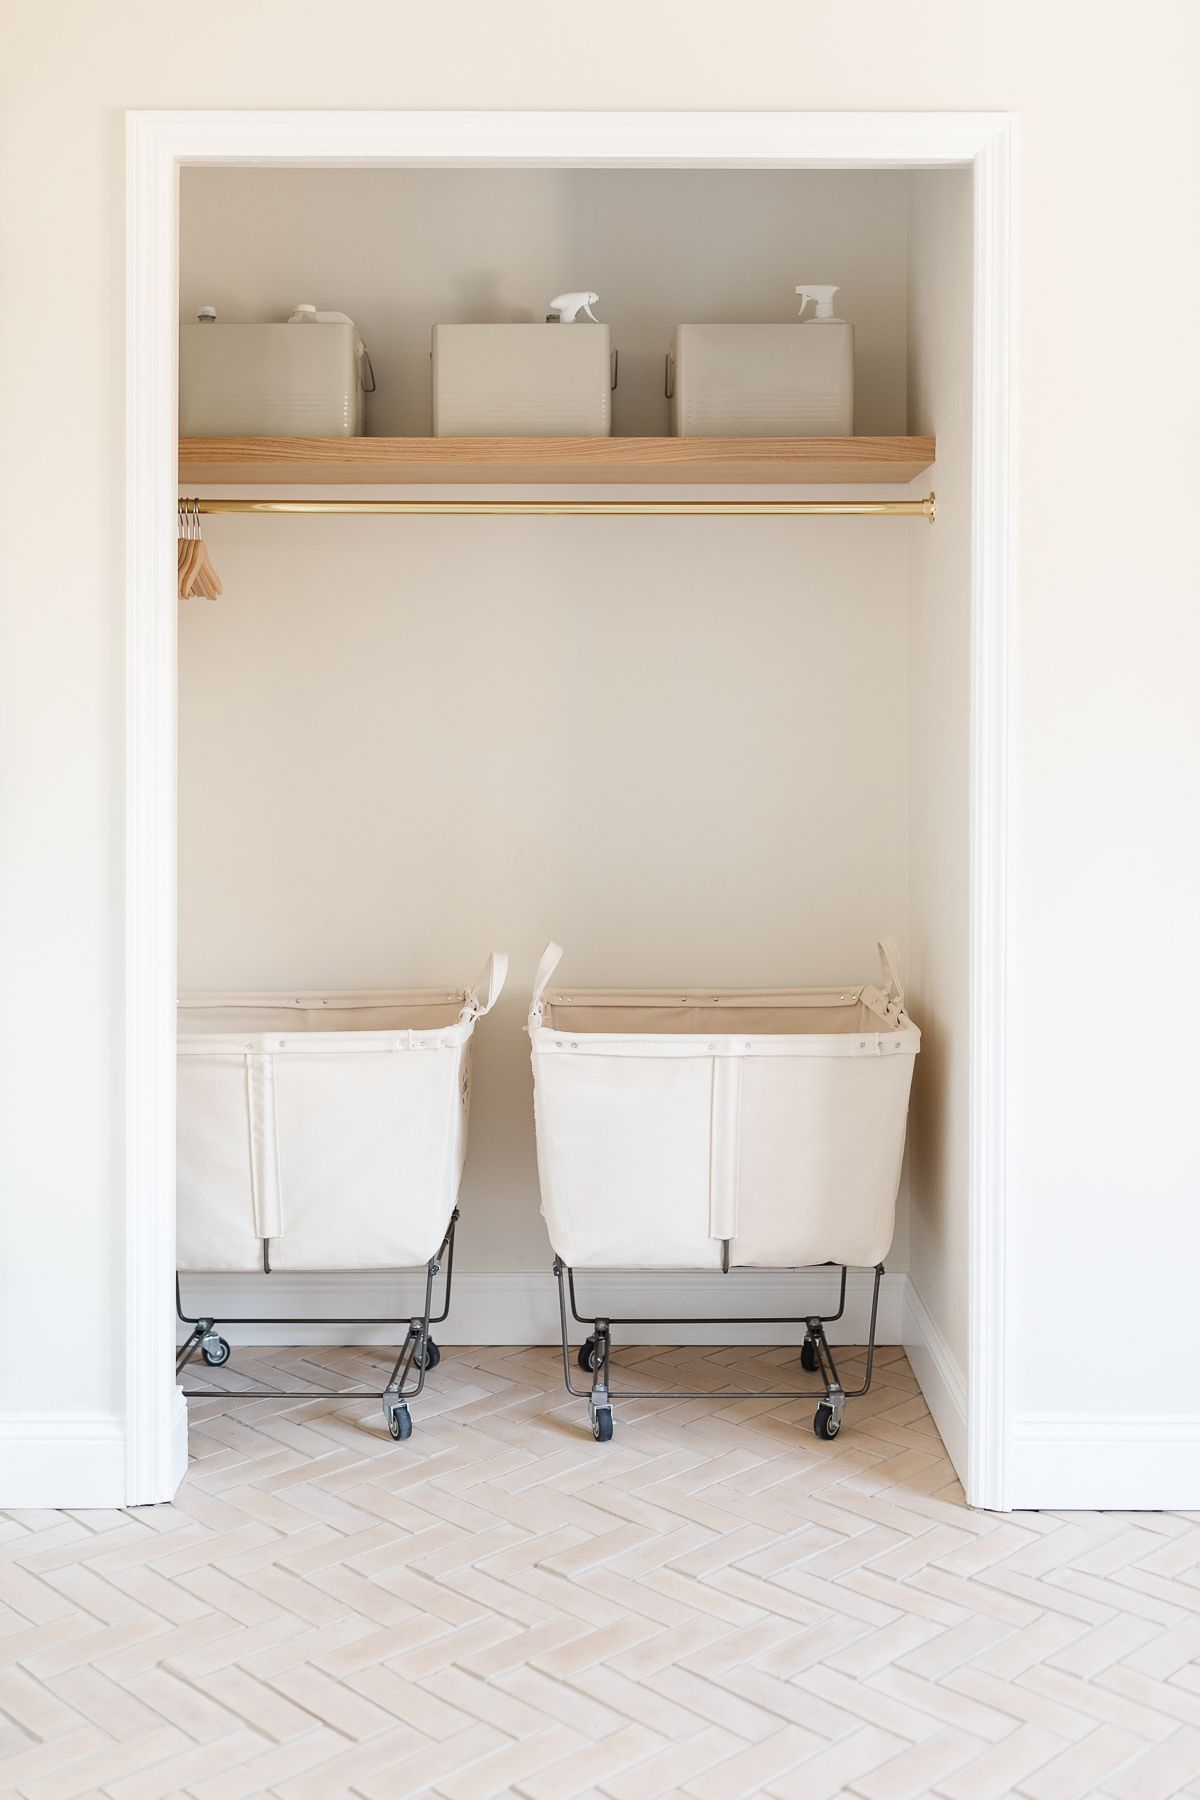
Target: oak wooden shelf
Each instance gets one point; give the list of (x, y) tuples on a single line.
[(205, 462)]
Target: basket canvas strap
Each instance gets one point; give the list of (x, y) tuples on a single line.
[(893, 978), (552, 955), (724, 1145), (490, 985), (265, 1194)]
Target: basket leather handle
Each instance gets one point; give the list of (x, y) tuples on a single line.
[(893, 978), (552, 955), (490, 984)]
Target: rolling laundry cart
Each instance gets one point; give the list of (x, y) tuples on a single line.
[(719, 1129), (321, 1132)]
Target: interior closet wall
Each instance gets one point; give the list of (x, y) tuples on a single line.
[(939, 694), (398, 250), (678, 746)]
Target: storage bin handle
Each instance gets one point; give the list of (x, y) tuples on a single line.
[(552, 955), (490, 984), (889, 958)]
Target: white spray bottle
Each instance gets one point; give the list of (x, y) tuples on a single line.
[(566, 308), (832, 372), (822, 299)]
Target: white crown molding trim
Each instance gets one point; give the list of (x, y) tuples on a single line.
[(1141, 1462), (939, 1375), (157, 143), (521, 1306), (61, 1460), (769, 140)]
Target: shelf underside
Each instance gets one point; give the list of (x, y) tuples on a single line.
[(717, 461)]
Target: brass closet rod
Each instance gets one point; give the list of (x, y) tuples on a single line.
[(679, 509)]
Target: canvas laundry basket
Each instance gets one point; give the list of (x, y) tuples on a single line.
[(704, 1128), (323, 1131)]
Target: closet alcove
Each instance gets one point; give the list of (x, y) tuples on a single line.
[(704, 749)]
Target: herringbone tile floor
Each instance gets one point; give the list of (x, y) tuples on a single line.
[(714, 1604)]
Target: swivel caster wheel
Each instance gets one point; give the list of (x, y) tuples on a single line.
[(826, 1424), (808, 1357), (587, 1356), (429, 1357), (214, 1350), (399, 1421), (602, 1424)]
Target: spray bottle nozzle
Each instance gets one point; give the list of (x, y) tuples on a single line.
[(822, 299), (567, 307)]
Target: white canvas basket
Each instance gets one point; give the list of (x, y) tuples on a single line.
[(702, 1128), (324, 1131)]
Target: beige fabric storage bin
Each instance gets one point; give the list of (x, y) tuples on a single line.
[(327, 1129), (291, 380), (522, 380), (683, 1129), (762, 380)]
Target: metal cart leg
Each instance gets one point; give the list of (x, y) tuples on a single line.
[(816, 1358), (593, 1357), (204, 1337), (418, 1352), (599, 1405)]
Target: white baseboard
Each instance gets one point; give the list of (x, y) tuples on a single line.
[(939, 1376), (521, 1307), (62, 1460), (1142, 1462)]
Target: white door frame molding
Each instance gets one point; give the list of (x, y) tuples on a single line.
[(158, 144)]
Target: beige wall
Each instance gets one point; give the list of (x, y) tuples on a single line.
[(673, 746), (400, 746), (939, 686), (1100, 1155), (399, 250)]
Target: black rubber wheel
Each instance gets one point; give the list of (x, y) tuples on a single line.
[(808, 1356), (430, 1357), (825, 1425), (400, 1423), (587, 1356), (602, 1427), (215, 1358)]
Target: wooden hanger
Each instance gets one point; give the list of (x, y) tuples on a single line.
[(196, 572)]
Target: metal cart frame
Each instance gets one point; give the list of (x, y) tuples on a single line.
[(816, 1358), (418, 1352)]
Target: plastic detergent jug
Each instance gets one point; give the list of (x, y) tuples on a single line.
[(765, 380), (526, 380), (272, 380)]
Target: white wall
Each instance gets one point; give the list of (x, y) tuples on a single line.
[(1101, 1159), (675, 746), (940, 217)]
